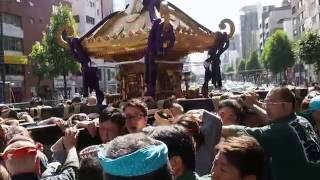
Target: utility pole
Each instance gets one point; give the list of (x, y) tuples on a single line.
[(2, 64)]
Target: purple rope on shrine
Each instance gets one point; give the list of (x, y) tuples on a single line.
[(90, 79), (75, 44), (158, 36), (151, 5), (78, 53)]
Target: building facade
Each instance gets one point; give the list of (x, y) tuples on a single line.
[(272, 19), (249, 30), (22, 24), (299, 16)]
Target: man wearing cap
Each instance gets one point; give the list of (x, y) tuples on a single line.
[(314, 108), (135, 156), (289, 141), (21, 160)]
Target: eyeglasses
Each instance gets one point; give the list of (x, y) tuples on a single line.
[(134, 117), (270, 103)]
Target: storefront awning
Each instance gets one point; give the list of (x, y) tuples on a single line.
[(15, 59)]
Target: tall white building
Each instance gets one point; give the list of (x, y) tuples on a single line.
[(87, 13), (249, 30), (273, 18), (110, 6)]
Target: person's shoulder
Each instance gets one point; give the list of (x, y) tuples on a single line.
[(206, 177), (301, 118)]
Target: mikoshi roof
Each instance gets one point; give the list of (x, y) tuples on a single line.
[(123, 36)]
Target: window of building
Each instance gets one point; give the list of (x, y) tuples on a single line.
[(318, 2), (314, 19), (11, 19), (300, 4), (40, 20), (302, 28), (267, 25), (14, 69), (89, 20), (54, 9), (294, 9), (294, 21), (92, 4), (295, 32), (31, 20), (76, 18), (98, 12), (301, 16), (12, 43), (31, 4)]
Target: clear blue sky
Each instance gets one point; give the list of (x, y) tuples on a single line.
[(210, 12)]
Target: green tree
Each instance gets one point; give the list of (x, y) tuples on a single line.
[(253, 62), (59, 57), (277, 54), (230, 69), (39, 62), (253, 65), (307, 49), (242, 68)]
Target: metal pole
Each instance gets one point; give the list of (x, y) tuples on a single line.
[(2, 64)]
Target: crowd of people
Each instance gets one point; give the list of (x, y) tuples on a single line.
[(241, 138)]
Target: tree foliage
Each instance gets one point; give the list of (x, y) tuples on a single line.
[(308, 49), (230, 69), (242, 66), (39, 61), (253, 62), (61, 59), (50, 59), (277, 54)]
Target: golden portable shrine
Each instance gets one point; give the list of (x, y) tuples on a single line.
[(155, 30)]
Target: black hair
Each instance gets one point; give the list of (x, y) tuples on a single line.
[(187, 121), (37, 101), (286, 95), (236, 106), (137, 103), (90, 168), (179, 143), (76, 100), (114, 115), (245, 154), (13, 114)]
